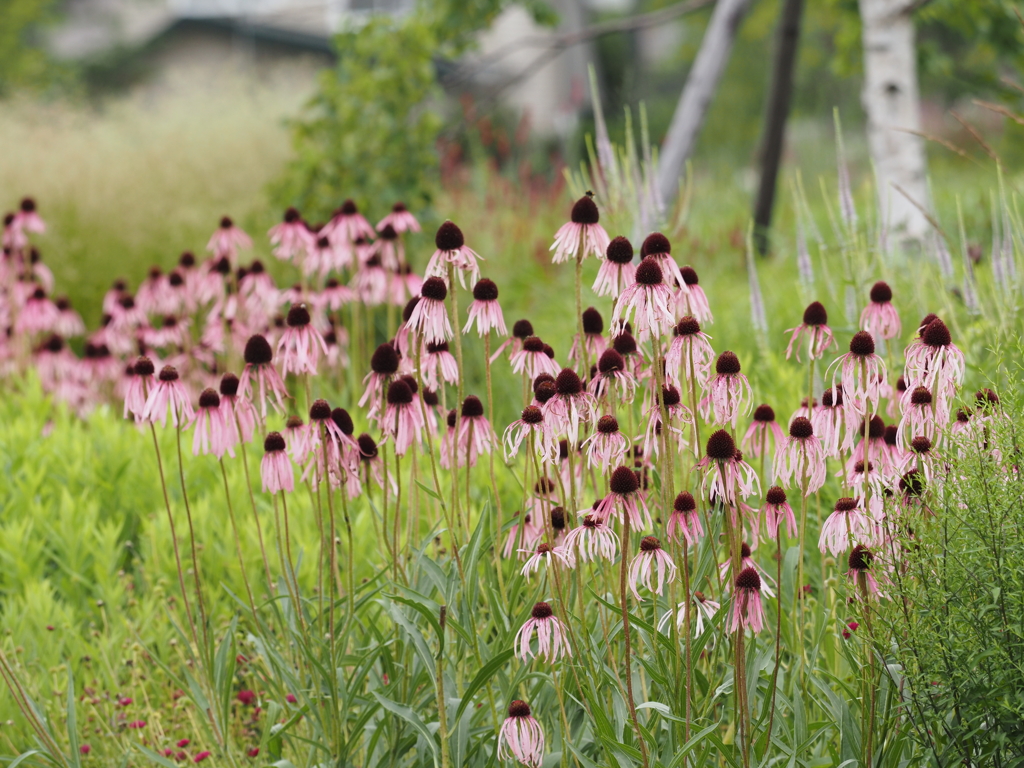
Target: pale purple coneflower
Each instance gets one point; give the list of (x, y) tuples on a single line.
[(862, 478), (390, 249), (802, 459), (920, 417), (650, 561), (815, 328), (140, 382), (476, 437), (777, 510), (689, 355), (684, 521), (322, 256), (582, 235), (873, 431), (297, 436), (404, 283), (531, 422), (384, 365), (933, 361), (656, 246), (552, 636), (727, 393), (607, 445), (612, 374), (747, 608), (291, 237), (370, 282), (25, 219), (763, 428), (403, 418), (438, 365), (593, 336), (625, 344), (275, 468), (347, 225), (676, 412), (543, 556), (259, 372), (702, 613), (617, 271), (726, 476), (239, 413), (860, 561), (625, 500), (828, 420), (371, 462), (452, 249), (334, 296), (168, 393), (571, 407), (484, 310), (747, 561), (521, 330), (212, 433), (593, 539), (227, 239), (521, 737), (920, 456), (40, 315), (429, 318), (533, 531), (690, 298), (848, 523), (880, 317), (861, 372), (532, 360), (646, 301), (154, 296), (400, 220), (173, 332)]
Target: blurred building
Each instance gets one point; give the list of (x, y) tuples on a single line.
[(145, 42)]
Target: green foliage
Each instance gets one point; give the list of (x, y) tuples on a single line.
[(22, 61), (956, 616)]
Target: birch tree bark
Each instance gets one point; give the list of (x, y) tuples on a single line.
[(696, 97), (892, 103)]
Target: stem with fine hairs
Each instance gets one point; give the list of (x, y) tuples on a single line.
[(625, 634)]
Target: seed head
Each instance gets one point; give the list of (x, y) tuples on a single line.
[(624, 344), (209, 399), (343, 421), (912, 483), (936, 334), (451, 418), (168, 373), (187, 259), (721, 446), (925, 322), (540, 611), (558, 518), (610, 361), (744, 550), (775, 496), (409, 307), (518, 709), (801, 428), (860, 557), (688, 326), (533, 344), (522, 329), (727, 364), (472, 408), (143, 366), (670, 396), (28, 205), (258, 351), (367, 446), (593, 323), (584, 211), (298, 316), (434, 288), (226, 222), (764, 414), (846, 504), (921, 444), (649, 272), (532, 415), (624, 481), (986, 397), (384, 361), (429, 397), (649, 544), (544, 391), (689, 276), (619, 251), (273, 442), (963, 416), (398, 393), (449, 237), (815, 314), (439, 346), (568, 383), (921, 396), (862, 344), (348, 208), (748, 579), (485, 290), (544, 487), (684, 502), (881, 293), (293, 422)]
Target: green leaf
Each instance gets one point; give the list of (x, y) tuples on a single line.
[(486, 673), (410, 716)]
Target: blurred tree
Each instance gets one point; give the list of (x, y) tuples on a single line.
[(23, 62), (370, 130)]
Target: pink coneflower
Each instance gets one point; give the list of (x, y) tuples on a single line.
[(626, 346), (399, 220), (763, 427), (849, 522), (747, 609), (777, 509), (702, 613), (429, 317), (920, 417), (690, 354), (747, 561), (212, 435), (861, 373), (862, 478), (259, 370), (728, 392), (912, 487), (521, 737), (571, 407), (521, 330), (617, 271), (684, 520), (607, 445), (650, 560), (291, 237), (322, 256), (297, 436), (383, 368), (452, 249), (347, 225), (239, 413), (276, 469), (390, 250), (612, 374), (68, 323), (370, 282), (919, 454), (676, 412), (227, 239), (532, 533), (437, 364), (485, 311), (690, 298), (171, 333), (873, 430), (593, 338), (301, 344), (828, 420), (933, 361), (39, 314), (656, 246), (727, 477), (552, 636), (593, 539), (625, 500), (647, 301), (531, 422), (542, 556), (141, 381), (880, 317), (815, 328), (154, 296), (476, 437), (860, 561), (403, 419), (802, 460), (168, 393), (582, 235), (532, 360), (27, 218)]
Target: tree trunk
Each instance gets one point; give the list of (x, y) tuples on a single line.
[(697, 94), (892, 104), (776, 113)]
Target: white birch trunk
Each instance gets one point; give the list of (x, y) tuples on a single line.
[(696, 97), (892, 103)]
